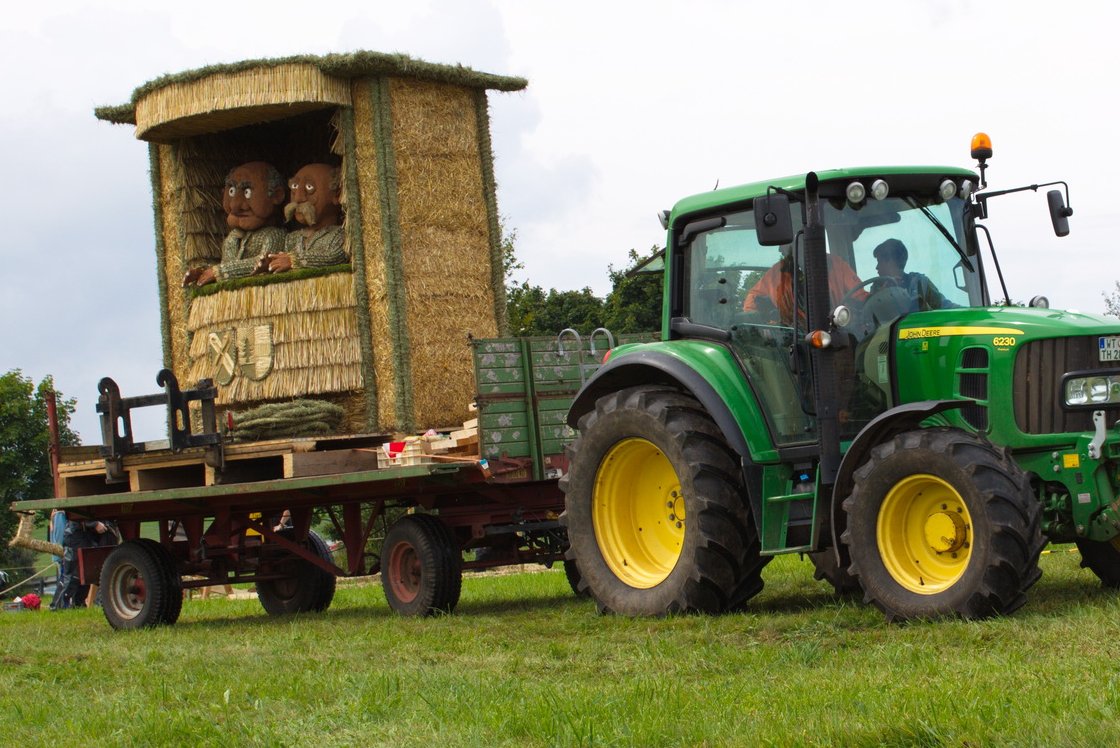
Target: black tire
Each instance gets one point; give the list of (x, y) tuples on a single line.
[(1103, 559), (571, 571), (306, 588), (923, 487), (421, 566), (173, 604), (827, 569), (134, 587), (652, 475)]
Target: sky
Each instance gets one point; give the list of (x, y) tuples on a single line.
[(630, 107)]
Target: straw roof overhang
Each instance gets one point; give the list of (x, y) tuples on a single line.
[(221, 97)]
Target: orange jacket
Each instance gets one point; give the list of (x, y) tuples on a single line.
[(777, 285)]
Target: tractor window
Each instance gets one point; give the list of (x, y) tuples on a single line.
[(723, 265)]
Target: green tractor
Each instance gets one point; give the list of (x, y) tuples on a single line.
[(819, 390)]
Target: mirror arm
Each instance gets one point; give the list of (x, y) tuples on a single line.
[(995, 261)]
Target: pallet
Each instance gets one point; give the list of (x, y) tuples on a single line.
[(255, 461)]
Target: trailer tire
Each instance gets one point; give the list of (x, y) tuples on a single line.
[(306, 589), (941, 523), (1103, 559), (421, 569), (656, 510), (827, 569), (173, 604), (134, 587)]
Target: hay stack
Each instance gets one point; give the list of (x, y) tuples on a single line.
[(387, 341)]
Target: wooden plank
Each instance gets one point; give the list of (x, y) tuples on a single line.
[(471, 424), (301, 464)]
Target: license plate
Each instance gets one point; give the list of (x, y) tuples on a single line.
[(1109, 347)]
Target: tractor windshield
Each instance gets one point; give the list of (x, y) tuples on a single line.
[(906, 254)]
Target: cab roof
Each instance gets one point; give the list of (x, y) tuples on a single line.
[(744, 193)]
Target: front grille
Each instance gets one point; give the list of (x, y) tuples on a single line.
[(975, 386), (1039, 367)]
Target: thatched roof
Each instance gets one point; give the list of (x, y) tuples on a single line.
[(168, 104)]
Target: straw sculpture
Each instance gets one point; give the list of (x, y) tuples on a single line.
[(383, 339)]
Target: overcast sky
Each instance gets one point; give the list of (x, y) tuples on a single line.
[(630, 106)]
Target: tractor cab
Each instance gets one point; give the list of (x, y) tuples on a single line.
[(896, 243)]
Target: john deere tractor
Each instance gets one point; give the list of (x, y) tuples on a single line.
[(912, 431)]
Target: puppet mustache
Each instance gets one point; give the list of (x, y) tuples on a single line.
[(304, 212)]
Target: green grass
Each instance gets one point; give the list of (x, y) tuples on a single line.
[(524, 663)]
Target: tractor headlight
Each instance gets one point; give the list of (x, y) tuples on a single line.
[(947, 189), (1091, 390), (855, 193)]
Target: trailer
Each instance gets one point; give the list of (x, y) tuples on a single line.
[(419, 517)]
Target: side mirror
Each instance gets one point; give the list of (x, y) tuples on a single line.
[(1059, 213), (772, 221)]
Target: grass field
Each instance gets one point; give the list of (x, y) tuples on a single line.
[(524, 663)]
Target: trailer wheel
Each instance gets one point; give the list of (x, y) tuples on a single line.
[(827, 569), (421, 568), (134, 587), (173, 603), (1103, 559), (306, 588), (656, 509), (941, 523)]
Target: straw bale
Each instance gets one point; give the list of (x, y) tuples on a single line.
[(154, 175), (366, 128), (224, 100), (173, 266), (445, 242)]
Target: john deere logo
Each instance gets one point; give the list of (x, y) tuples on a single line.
[(245, 350)]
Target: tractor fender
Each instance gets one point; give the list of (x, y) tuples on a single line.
[(884, 426), (655, 367)]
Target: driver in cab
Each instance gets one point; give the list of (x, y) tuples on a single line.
[(890, 258), (773, 294)]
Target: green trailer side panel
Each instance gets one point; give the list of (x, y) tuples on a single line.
[(525, 387)]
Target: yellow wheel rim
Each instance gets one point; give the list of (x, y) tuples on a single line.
[(924, 534), (638, 513)]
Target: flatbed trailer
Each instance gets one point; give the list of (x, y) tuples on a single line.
[(217, 506)]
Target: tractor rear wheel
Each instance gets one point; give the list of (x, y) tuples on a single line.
[(421, 566), (941, 523), (1103, 559), (656, 509)]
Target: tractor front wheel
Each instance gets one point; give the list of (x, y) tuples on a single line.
[(656, 510), (941, 523)]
